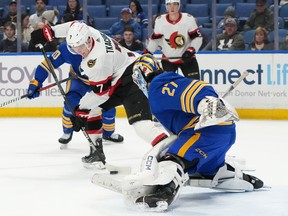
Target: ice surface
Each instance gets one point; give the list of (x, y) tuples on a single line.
[(39, 179)]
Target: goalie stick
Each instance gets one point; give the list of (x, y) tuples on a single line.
[(236, 83), (112, 169), (40, 89)]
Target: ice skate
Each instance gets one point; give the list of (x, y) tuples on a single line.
[(257, 183), (65, 139), (113, 138), (95, 158), (160, 200)]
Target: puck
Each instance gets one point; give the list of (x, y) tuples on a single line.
[(113, 172)]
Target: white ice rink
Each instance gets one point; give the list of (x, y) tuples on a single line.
[(39, 179)]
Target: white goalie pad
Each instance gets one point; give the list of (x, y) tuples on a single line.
[(214, 111), (224, 180), (155, 153), (134, 185), (143, 183), (238, 162)]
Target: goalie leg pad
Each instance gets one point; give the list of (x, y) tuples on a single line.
[(155, 192), (229, 179), (149, 132)]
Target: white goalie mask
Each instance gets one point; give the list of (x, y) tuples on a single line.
[(78, 34)]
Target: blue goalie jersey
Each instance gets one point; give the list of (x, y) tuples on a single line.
[(174, 100)]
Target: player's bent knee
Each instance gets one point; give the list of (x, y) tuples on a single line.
[(149, 132)]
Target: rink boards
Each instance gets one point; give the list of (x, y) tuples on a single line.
[(262, 95)]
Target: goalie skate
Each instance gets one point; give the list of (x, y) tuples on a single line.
[(160, 206), (160, 200), (229, 179)]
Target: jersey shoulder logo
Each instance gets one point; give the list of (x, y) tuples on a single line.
[(56, 54), (91, 63), (176, 40)]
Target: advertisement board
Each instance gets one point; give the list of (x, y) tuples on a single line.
[(263, 94)]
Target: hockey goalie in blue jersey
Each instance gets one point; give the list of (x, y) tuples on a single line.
[(76, 88), (203, 125)]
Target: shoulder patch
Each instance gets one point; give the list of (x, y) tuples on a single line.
[(189, 15), (56, 54), (91, 63)]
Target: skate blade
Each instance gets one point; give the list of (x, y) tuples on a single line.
[(109, 142), (161, 207), (265, 187), (95, 165)]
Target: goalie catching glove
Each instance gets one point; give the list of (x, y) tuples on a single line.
[(214, 111)]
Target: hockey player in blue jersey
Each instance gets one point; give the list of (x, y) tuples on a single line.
[(204, 130), (76, 88)]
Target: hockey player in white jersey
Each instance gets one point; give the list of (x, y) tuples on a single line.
[(108, 66), (178, 35)]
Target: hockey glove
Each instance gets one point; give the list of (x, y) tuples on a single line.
[(79, 121), (188, 55), (213, 111), (41, 36), (33, 88)]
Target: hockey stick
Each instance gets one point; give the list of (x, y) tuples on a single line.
[(26, 95), (112, 169), (236, 83)]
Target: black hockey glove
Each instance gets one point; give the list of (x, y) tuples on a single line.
[(79, 121), (188, 55), (33, 88), (41, 36)]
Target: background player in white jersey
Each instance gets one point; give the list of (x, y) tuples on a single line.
[(204, 130), (108, 67), (178, 35)]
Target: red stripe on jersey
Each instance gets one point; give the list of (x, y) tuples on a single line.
[(156, 36), (174, 22), (112, 89), (101, 82), (96, 118), (101, 87), (180, 61), (94, 131), (74, 22), (159, 138), (195, 33)]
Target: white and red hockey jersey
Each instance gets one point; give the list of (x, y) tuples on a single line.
[(104, 65), (174, 37)]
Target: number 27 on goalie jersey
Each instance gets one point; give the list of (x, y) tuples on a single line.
[(174, 100)]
